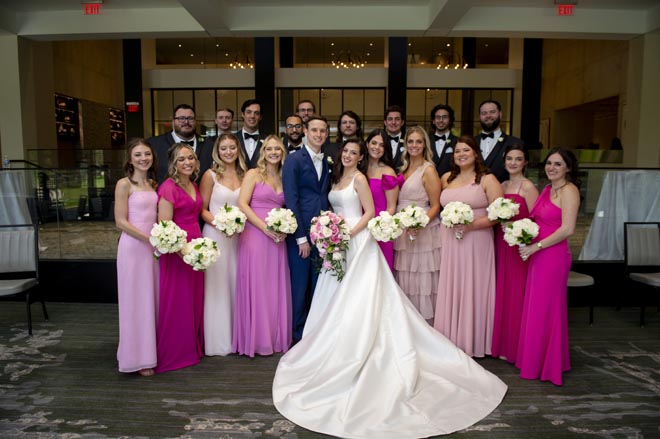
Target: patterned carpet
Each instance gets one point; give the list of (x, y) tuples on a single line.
[(63, 383)]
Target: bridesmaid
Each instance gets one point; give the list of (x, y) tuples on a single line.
[(137, 271), (417, 252), (383, 182), (220, 186), (543, 347), (180, 339), (466, 290), (510, 269), (262, 316)]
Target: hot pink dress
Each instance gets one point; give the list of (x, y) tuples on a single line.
[(511, 275), (262, 313), (378, 188), (417, 263), (543, 350), (180, 335), (466, 291), (137, 287)]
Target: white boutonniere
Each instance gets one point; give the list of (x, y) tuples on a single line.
[(329, 160), (501, 139), (401, 147)]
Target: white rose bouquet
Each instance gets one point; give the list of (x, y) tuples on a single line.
[(456, 213), (167, 237), (412, 217), (229, 220), (521, 232), (385, 227), (330, 234), (502, 209), (200, 253), (281, 220)]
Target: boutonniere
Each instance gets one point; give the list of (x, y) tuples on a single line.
[(401, 147), (501, 139), (329, 160)]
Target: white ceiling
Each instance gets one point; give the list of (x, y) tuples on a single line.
[(65, 19)]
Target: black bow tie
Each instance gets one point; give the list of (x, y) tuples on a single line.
[(436, 137), (484, 136), (254, 137), (189, 142), (293, 147), (395, 139)]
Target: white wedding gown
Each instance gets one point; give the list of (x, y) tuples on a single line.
[(371, 366)]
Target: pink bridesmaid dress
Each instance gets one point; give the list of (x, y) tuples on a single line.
[(543, 350), (466, 291), (511, 275), (262, 313), (180, 339), (137, 287), (378, 189)]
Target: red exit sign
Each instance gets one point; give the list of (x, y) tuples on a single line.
[(92, 8), (565, 9)]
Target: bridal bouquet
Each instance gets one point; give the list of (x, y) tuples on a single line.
[(521, 232), (502, 209), (167, 237), (385, 227), (200, 253), (330, 234), (281, 220), (412, 217), (229, 220), (455, 213)]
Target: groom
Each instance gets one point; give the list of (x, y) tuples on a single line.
[(306, 181)]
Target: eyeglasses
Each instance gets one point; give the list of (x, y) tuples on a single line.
[(442, 116), (184, 119), (291, 126)]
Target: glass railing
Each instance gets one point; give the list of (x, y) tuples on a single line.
[(75, 207)]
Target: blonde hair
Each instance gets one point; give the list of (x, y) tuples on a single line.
[(219, 166), (261, 163), (428, 153), (173, 155)]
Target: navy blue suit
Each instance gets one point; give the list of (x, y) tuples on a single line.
[(306, 196)]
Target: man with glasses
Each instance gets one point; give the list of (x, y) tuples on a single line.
[(305, 109), (249, 136), (293, 129), (442, 139), (183, 131)]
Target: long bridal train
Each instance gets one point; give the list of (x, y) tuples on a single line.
[(373, 368)]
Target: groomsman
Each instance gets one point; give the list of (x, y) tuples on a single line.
[(443, 141), (224, 118), (492, 141), (184, 128), (394, 120), (306, 181), (249, 136), (305, 109), (293, 138)]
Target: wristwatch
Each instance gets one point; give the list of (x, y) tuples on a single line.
[(539, 245)]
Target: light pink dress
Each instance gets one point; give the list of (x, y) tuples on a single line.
[(137, 288), (466, 291), (417, 263)]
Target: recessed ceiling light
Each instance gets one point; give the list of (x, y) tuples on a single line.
[(192, 54), (332, 44), (371, 44), (448, 44), (179, 45), (217, 45), (409, 44)]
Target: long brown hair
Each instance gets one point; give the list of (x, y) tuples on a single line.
[(480, 168), (219, 166), (338, 168), (129, 170)]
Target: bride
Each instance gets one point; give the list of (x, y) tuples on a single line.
[(369, 366)]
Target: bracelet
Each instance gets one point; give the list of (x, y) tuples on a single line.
[(539, 245)]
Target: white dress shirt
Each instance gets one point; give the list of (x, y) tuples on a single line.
[(486, 145), (250, 143), (178, 139)]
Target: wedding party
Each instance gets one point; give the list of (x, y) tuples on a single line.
[(377, 283)]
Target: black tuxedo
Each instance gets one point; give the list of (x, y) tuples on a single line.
[(397, 159), (495, 160), (205, 155), (250, 162), (331, 150), (161, 145), (443, 162)]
